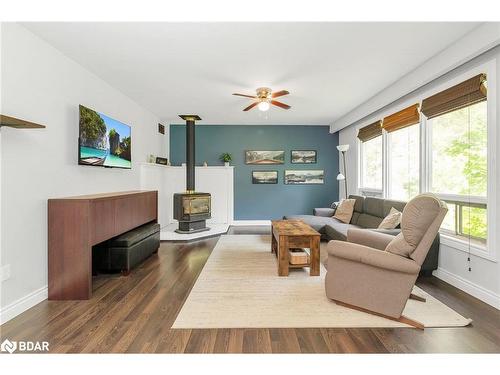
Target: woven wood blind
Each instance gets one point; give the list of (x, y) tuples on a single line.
[(402, 119), (370, 131), (459, 96)]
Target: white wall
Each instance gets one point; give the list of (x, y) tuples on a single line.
[(484, 280), (40, 84), (216, 180)]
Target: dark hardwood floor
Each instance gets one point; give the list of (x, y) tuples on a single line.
[(134, 314)]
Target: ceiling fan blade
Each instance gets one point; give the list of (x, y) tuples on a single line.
[(246, 96), (251, 106), (279, 93), (279, 104)]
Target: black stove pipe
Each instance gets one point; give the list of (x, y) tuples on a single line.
[(190, 155), (190, 151)]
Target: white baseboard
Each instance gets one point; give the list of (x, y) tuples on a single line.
[(475, 290), (22, 304), (251, 222)]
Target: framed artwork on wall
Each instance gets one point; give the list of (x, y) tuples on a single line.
[(304, 157), (304, 177), (264, 157), (264, 177)]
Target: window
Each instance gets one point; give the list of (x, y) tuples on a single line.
[(460, 169), (404, 161), (440, 145), (371, 165)]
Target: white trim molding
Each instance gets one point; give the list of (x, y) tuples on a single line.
[(250, 222), (475, 43), (467, 286), (22, 304)]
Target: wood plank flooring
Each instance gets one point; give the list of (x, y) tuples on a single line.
[(134, 314)]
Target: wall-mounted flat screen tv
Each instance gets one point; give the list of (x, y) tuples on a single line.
[(103, 141)]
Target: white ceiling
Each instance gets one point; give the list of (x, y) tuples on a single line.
[(174, 68)]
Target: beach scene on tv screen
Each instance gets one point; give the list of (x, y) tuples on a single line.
[(103, 140)]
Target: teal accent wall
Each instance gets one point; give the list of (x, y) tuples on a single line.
[(262, 202)]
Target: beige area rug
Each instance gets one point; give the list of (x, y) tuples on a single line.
[(239, 288)]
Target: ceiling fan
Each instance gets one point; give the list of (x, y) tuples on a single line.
[(264, 99)]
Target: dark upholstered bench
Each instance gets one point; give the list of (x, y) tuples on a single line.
[(128, 250)]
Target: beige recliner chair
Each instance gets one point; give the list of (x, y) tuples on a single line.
[(376, 272)]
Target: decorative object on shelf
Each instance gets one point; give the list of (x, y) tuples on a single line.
[(264, 157), (343, 176), (152, 158), (168, 162), (304, 157), (161, 128), (16, 123), (304, 177), (162, 161), (264, 177), (205, 164), (264, 99), (226, 158)]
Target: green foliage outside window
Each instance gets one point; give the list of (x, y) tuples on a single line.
[(459, 155)]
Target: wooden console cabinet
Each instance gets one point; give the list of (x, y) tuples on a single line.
[(78, 223)]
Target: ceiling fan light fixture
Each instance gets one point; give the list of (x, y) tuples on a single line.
[(263, 106), (264, 99)]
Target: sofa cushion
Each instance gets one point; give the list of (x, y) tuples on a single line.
[(358, 207), (355, 217), (325, 212), (391, 203), (368, 221), (344, 210), (316, 222), (336, 230), (135, 235), (374, 206)]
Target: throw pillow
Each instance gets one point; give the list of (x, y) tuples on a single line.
[(344, 210), (392, 220)]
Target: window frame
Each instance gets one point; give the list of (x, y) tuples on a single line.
[(370, 190), (489, 250), (388, 188)]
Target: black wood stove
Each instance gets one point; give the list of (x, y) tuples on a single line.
[(191, 208)]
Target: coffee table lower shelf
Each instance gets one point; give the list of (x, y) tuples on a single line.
[(299, 265)]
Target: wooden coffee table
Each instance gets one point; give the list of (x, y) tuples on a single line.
[(289, 234)]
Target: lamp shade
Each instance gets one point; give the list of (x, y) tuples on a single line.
[(340, 177), (343, 148)]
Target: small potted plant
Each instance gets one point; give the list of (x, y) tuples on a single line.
[(226, 158)]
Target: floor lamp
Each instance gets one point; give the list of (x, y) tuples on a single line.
[(343, 176)]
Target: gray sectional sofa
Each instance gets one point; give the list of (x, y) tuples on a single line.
[(368, 214)]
